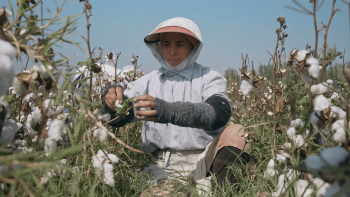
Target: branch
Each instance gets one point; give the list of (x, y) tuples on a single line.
[(325, 41), (99, 124)]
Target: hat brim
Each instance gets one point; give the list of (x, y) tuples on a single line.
[(154, 36)]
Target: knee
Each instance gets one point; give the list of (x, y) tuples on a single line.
[(233, 135)]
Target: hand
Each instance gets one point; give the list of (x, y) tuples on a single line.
[(112, 96), (148, 101)]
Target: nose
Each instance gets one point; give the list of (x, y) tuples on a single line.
[(173, 50)]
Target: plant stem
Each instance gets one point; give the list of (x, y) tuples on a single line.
[(325, 42), (316, 31)]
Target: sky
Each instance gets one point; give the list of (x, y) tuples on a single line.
[(228, 28)]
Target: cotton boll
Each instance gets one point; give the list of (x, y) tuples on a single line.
[(101, 134), (48, 107), (281, 186), (333, 156), (108, 175), (97, 162), (6, 74), (18, 86), (102, 154), (299, 141), (297, 122), (301, 55), (117, 104), (315, 90), (320, 88), (59, 109), (324, 87), (270, 168), (47, 177), (42, 70), (339, 135), (36, 114), (113, 158), (143, 109), (330, 81), (321, 187), (246, 87), (8, 132), (301, 186), (320, 102), (50, 146), (337, 112), (57, 129), (7, 49), (29, 97), (283, 157), (291, 133)]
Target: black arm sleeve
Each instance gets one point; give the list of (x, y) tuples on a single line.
[(222, 109), (206, 115)]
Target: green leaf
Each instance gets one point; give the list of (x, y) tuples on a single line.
[(78, 130), (82, 63), (9, 98)]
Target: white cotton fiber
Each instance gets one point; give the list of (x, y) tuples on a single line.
[(36, 115), (57, 129), (113, 158), (101, 134), (50, 146), (320, 88), (270, 168), (283, 157), (314, 68), (6, 74), (297, 122), (246, 87), (320, 102), (337, 111), (291, 133), (302, 186), (7, 49), (301, 55)]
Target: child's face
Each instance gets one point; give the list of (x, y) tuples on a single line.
[(175, 47)]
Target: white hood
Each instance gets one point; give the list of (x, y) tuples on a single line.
[(186, 67)]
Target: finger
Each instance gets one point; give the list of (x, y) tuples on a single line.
[(110, 104), (150, 104), (119, 92), (147, 118), (144, 97), (112, 96), (146, 113)]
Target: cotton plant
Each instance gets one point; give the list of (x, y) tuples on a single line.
[(102, 162)]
